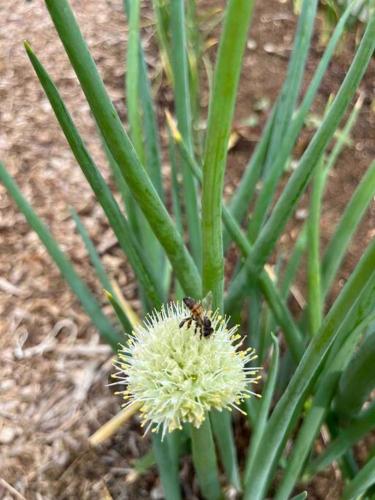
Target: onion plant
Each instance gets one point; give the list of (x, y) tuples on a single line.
[(189, 376)]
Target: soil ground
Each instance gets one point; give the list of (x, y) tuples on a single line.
[(54, 370)]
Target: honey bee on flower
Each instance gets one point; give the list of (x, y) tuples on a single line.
[(177, 375)]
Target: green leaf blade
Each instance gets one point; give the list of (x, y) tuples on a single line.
[(88, 301), (363, 480), (120, 313), (315, 302), (310, 159), (222, 429), (357, 381), (349, 221), (338, 358), (184, 119), (91, 250), (121, 147), (302, 175), (358, 428), (240, 201), (115, 217), (348, 305), (265, 405), (283, 115)]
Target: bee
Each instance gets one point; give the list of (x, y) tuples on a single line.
[(198, 316)]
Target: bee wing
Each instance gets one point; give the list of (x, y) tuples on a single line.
[(207, 302)]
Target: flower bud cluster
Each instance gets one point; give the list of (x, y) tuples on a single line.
[(178, 375)]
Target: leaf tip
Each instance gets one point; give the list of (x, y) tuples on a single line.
[(173, 127), (27, 46)]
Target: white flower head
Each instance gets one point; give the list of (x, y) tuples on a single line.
[(177, 374)]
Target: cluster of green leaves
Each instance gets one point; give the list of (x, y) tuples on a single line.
[(334, 8), (325, 373)]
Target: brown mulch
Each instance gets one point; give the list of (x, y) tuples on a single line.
[(53, 369)]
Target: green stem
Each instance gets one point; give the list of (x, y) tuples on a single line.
[(301, 243), (162, 16), (131, 208), (195, 53), (273, 297), (300, 178), (168, 468), (204, 459), (101, 272), (227, 72), (152, 143)]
